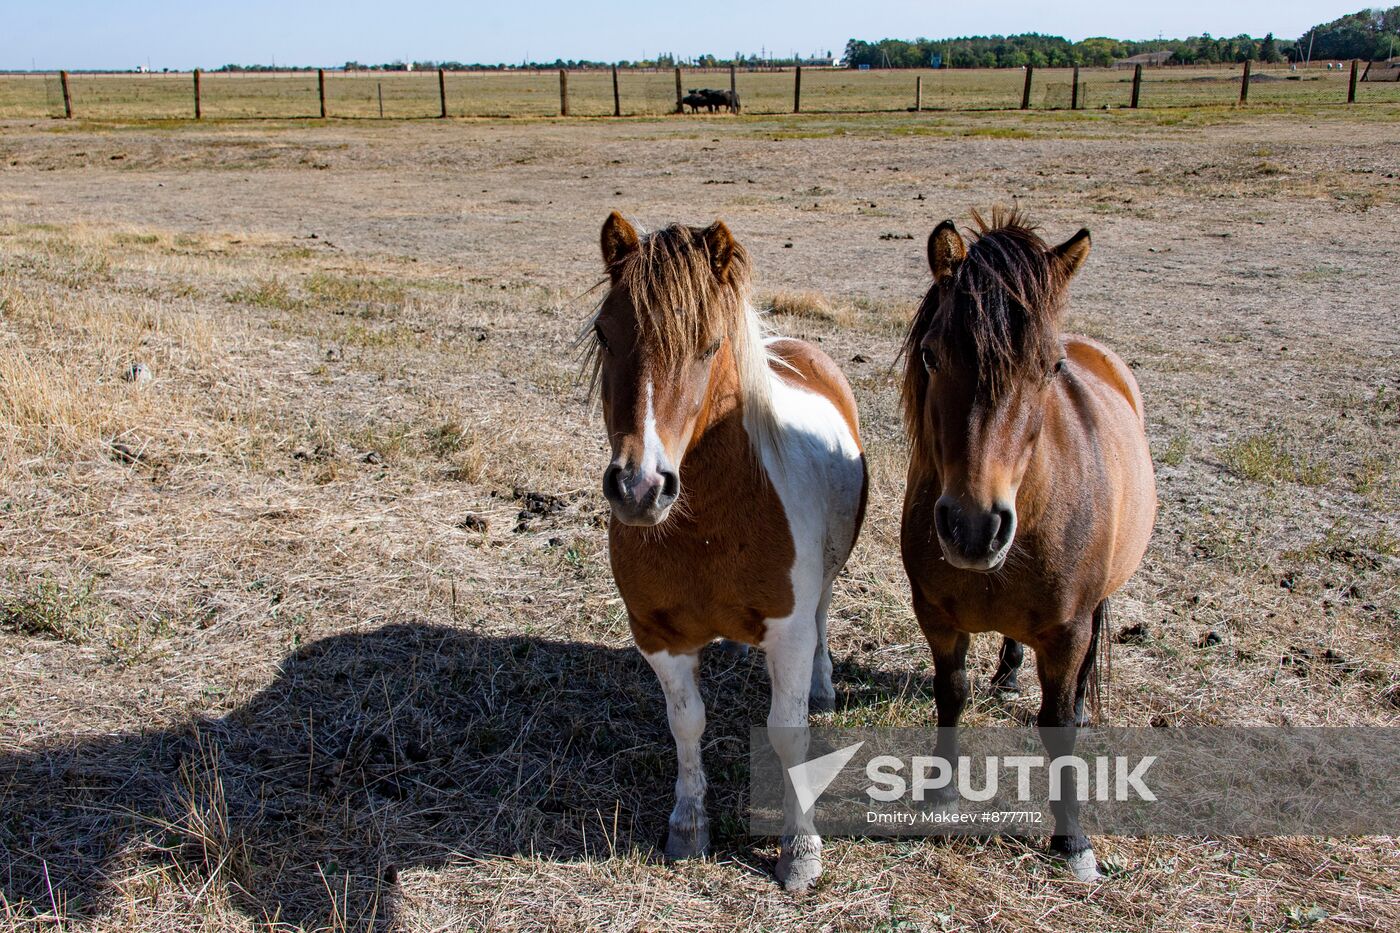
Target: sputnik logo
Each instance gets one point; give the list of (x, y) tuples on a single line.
[(811, 778)]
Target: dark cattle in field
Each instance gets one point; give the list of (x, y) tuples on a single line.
[(694, 101), (716, 99)]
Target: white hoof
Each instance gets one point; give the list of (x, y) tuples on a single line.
[(1084, 866), (800, 864)]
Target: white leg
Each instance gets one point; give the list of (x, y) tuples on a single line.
[(823, 696), (791, 645), (689, 830)]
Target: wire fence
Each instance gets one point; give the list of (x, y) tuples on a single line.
[(410, 95)]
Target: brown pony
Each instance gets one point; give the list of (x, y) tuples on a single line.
[(1030, 494), (737, 487)]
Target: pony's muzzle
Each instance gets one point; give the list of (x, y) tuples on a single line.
[(974, 538), (641, 496)]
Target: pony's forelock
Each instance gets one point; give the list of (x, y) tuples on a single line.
[(997, 317), (681, 302)]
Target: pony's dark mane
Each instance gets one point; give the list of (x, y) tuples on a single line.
[(997, 318)]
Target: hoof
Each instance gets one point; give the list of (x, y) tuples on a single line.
[(945, 800), (684, 844), (733, 650), (689, 835), (821, 702), (800, 864), (1084, 866), (1006, 687)]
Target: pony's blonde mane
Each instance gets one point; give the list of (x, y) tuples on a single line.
[(671, 281)]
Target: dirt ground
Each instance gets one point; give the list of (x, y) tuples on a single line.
[(308, 623)]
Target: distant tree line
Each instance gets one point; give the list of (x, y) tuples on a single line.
[(664, 61), (1370, 34), (237, 68), (1057, 52)]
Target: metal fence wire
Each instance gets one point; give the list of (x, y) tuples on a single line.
[(593, 93)]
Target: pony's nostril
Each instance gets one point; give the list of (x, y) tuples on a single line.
[(1003, 527), (993, 529), (943, 518), (613, 484), (670, 488)]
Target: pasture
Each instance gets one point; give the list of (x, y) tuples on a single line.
[(405, 95), (307, 621)]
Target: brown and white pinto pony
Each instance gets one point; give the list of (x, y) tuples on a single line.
[(737, 486), (1030, 494)]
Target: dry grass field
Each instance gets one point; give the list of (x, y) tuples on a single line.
[(305, 613), (357, 95)]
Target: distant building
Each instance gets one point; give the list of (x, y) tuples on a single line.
[(818, 61), (1146, 60)]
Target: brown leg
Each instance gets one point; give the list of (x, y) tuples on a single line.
[(1059, 662), (1008, 666), (950, 687), (1086, 669)]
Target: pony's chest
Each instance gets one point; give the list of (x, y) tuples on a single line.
[(689, 586)]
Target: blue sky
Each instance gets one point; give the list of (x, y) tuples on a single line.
[(206, 33)]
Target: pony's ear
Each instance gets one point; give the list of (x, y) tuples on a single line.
[(1074, 251), (945, 250), (619, 239), (720, 243)]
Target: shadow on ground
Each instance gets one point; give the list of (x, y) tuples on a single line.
[(406, 746)]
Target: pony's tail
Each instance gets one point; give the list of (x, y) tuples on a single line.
[(1098, 659)]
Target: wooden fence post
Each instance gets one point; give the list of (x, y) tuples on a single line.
[(321, 89), (198, 109), (1137, 84), (918, 93), (1244, 83), (1026, 91), (1351, 88), (563, 93), (733, 86), (67, 100), (797, 90), (680, 108), (617, 97), (1074, 91), (379, 85), (442, 94)]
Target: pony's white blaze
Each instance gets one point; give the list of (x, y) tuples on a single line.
[(653, 451)]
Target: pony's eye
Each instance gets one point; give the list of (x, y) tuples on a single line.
[(1058, 368), (598, 333), (711, 350), (930, 361)]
